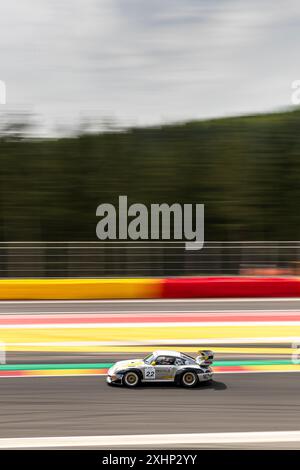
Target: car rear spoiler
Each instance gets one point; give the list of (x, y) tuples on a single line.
[(206, 357)]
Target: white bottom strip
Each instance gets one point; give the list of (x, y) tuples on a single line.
[(151, 439), (149, 301)]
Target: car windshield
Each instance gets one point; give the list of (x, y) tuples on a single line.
[(148, 359)]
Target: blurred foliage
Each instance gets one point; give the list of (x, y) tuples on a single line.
[(246, 170)]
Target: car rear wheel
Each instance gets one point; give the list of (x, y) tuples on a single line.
[(189, 379), (131, 379)]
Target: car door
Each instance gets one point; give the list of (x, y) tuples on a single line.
[(164, 368)]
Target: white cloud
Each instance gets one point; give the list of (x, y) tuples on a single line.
[(143, 61)]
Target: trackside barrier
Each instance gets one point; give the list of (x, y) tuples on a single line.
[(136, 288), (70, 289), (214, 287)]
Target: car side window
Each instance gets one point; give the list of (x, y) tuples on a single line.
[(165, 360), (188, 360), (179, 361)]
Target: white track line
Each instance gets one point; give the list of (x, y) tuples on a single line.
[(134, 313), (195, 300), (151, 439), (46, 326)]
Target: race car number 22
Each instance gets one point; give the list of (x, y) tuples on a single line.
[(149, 373)]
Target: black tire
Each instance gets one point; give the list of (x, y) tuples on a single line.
[(189, 379), (131, 379)]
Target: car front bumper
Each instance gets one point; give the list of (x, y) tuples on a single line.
[(114, 380)]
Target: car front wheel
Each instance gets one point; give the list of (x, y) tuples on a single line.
[(189, 379), (131, 379)]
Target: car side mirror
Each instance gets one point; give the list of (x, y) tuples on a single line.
[(153, 363)]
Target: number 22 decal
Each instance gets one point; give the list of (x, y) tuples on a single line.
[(149, 373)]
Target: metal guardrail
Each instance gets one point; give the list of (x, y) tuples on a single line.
[(150, 259)]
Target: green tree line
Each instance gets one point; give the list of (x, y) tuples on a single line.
[(246, 170)]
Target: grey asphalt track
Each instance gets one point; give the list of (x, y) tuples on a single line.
[(136, 306), (66, 406)]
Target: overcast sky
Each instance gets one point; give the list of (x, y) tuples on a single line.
[(147, 61)]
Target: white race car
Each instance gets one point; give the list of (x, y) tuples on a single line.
[(163, 366)]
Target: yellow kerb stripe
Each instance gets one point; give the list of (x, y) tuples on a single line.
[(74, 289)]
